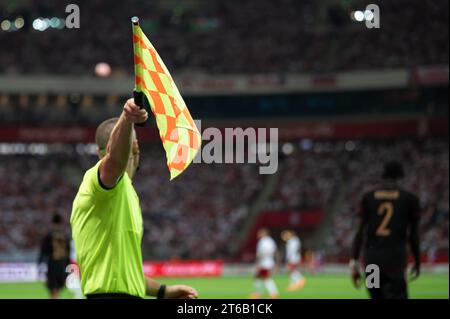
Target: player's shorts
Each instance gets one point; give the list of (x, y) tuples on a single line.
[(392, 286), (293, 266), (56, 275), (263, 273)]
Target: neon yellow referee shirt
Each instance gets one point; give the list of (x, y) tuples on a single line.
[(107, 231)]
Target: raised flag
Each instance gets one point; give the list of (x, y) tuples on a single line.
[(179, 134)]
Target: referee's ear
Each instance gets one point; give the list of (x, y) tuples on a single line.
[(100, 153)]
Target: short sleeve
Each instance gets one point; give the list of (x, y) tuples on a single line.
[(362, 209), (97, 187)]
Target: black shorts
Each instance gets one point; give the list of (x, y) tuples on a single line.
[(392, 264), (111, 296), (392, 286), (56, 275)]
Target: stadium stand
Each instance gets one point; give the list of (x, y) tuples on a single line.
[(208, 36), (214, 206), (220, 39)]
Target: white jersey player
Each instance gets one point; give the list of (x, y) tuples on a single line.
[(293, 259), (73, 281), (266, 250)]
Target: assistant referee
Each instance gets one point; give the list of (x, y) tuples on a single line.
[(106, 218)]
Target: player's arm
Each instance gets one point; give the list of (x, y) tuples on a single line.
[(114, 163), (357, 244), (158, 290), (357, 240), (278, 259), (414, 238), (45, 252)]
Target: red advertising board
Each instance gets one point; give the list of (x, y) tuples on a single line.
[(192, 268), (431, 75), (286, 130)]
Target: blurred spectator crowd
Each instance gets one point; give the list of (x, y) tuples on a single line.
[(201, 213), (214, 36), (195, 215), (308, 178)]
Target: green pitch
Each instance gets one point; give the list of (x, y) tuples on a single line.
[(317, 287)]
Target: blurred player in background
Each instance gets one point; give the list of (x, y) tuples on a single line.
[(106, 219), (389, 219), (266, 251), (293, 259), (55, 253)]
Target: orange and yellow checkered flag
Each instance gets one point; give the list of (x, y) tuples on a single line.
[(179, 134)]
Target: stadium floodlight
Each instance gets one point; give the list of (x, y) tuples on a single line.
[(61, 24), (37, 24), (19, 23), (54, 22), (41, 24), (46, 24), (368, 15), (5, 25), (358, 15)]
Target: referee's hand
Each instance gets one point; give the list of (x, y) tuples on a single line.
[(180, 292), (133, 113)]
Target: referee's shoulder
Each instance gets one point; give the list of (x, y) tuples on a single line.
[(92, 171), (87, 181)]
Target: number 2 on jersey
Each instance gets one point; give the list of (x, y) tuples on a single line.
[(385, 209)]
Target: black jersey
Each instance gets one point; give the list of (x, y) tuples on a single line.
[(388, 214), (55, 248)]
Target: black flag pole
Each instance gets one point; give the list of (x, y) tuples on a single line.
[(138, 96)]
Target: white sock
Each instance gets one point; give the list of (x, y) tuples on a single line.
[(270, 286), (296, 276), (259, 286), (77, 293), (76, 289)]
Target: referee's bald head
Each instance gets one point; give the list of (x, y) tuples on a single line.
[(103, 133)]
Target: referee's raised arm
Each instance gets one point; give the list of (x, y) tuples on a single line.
[(117, 153), (106, 219)]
